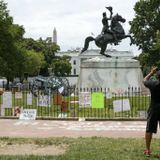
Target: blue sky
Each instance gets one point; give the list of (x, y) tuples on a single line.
[(74, 19)]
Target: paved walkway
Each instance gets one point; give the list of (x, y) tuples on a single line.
[(54, 128)]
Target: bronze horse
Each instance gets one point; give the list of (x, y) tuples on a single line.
[(102, 40)]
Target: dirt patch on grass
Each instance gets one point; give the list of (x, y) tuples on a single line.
[(31, 149)]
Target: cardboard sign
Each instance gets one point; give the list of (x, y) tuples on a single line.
[(2, 111), (64, 106), (97, 100), (84, 99), (29, 98), (28, 114), (121, 105), (18, 95), (7, 100), (57, 99), (43, 100)]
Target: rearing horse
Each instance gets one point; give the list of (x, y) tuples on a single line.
[(102, 40)]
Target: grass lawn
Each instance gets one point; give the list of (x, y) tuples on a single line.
[(95, 148)]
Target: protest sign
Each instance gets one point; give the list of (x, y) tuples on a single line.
[(97, 100), (7, 100), (57, 99), (29, 98), (18, 95), (121, 105), (84, 99), (43, 101), (28, 114)]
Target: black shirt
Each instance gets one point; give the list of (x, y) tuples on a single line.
[(154, 87)]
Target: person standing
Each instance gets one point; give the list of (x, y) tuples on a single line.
[(153, 117)]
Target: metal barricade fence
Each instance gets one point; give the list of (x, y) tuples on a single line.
[(90, 103)]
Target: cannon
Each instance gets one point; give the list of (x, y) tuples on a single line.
[(49, 85)]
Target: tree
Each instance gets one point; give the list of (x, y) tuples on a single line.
[(33, 62), (61, 66), (145, 29), (10, 37), (46, 47), (145, 25)]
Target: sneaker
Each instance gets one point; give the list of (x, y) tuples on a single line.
[(147, 152)]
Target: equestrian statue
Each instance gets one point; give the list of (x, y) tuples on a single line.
[(110, 34)]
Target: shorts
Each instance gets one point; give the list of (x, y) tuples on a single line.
[(153, 118)]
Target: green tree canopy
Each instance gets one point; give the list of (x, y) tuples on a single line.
[(46, 47), (10, 36), (145, 25), (146, 32), (33, 62), (61, 66)]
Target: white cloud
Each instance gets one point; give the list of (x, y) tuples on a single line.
[(73, 19)]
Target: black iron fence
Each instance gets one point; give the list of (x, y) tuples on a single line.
[(89, 103)]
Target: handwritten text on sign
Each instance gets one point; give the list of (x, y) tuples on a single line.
[(28, 114), (121, 105), (85, 99)]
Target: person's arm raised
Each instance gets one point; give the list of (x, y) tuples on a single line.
[(151, 73)]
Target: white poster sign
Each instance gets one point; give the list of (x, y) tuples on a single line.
[(121, 105), (28, 114), (29, 98), (2, 111), (18, 95), (7, 100), (43, 100), (85, 99)]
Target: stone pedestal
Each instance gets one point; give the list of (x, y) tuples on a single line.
[(115, 73)]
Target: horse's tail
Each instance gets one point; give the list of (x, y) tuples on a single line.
[(86, 43)]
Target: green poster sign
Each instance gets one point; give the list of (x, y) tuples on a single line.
[(97, 100)]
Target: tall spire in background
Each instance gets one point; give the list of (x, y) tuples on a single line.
[(54, 36)]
